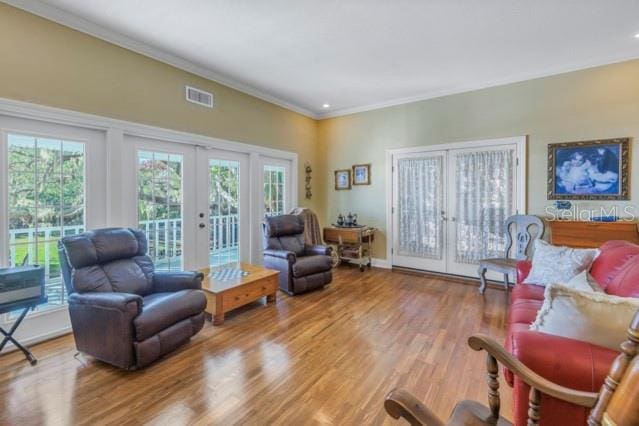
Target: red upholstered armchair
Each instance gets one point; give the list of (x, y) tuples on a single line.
[(567, 362)]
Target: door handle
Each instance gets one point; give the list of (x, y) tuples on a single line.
[(201, 225)]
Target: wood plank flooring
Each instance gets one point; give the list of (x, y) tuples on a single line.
[(327, 357)]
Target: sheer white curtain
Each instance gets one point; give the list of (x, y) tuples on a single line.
[(484, 199), (420, 203)]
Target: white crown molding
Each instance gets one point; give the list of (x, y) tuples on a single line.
[(77, 23), (520, 78)]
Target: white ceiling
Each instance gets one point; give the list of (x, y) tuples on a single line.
[(361, 54)]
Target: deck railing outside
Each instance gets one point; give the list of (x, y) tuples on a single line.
[(165, 246)]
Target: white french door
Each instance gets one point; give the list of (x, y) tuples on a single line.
[(275, 186), (449, 205), (419, 208), (483, 186), (51, 185), (200, 206), (160, 199), (274, 198), (224, 209)]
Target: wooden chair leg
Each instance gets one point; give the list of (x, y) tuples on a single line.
[(534, 402), (482, 278)]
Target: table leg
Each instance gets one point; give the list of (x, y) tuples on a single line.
[(218, 319), (8, 337), (482, 278), (271, 298)]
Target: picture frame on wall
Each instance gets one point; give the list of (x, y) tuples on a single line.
[(342, 179), (589, 170), (362, 174)]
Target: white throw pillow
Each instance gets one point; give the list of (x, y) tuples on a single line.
[(583, 282), (597, 318), (552, 264)]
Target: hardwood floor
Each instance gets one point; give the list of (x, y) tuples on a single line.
[(327, 357)]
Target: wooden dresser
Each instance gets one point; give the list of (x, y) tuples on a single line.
[(584, 234)]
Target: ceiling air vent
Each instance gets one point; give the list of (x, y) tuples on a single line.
[(199, 97)]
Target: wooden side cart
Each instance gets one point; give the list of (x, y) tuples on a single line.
[(353, 244)]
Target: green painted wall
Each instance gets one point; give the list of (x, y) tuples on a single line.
[(50, 64), (596, 103)]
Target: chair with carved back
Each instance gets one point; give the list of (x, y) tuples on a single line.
[(520, 225), (617, 402)]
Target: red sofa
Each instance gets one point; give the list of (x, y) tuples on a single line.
[(572, 363)]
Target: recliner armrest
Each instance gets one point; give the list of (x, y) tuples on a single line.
[(168, 282), (125, 302), (317, 250), (281, 254), (103, 325)]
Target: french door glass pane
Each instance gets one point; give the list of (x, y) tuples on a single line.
[(484, 199), (224, 211), (274, 180), (46, 201), (420, 202), (160, 206)]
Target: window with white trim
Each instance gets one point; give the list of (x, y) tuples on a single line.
[(160, 206), (274, 184), (46, 199)]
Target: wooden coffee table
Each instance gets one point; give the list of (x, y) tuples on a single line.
[(233, 285)]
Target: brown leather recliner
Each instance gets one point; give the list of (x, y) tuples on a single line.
[(302, 267), (122, 311)]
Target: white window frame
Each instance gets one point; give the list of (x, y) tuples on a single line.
[(53, 321), (51, 136), (154, 151), (286, 165), (290, 197)]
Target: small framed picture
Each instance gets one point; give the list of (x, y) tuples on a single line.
[(589, 170), (362, 174), (342, 179)]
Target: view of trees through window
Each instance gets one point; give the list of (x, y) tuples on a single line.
[(224, 211), (160, 206), (46, 201), (273, 190)]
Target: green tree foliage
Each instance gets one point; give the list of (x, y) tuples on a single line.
[(224, 192), (46, 179)]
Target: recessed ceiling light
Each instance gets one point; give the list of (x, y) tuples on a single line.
[(326, 105), (637, 35)]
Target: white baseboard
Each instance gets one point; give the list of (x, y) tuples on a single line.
[(381, 263)]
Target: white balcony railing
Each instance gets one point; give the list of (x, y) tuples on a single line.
[(165, 247)]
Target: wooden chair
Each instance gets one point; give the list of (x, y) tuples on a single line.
[(507, 265), (617, 403)]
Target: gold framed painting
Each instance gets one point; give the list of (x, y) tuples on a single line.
[(589, 170), (362, 174), (342, 179)]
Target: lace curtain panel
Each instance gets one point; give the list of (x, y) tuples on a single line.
[(484, 199), (420, 204)]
